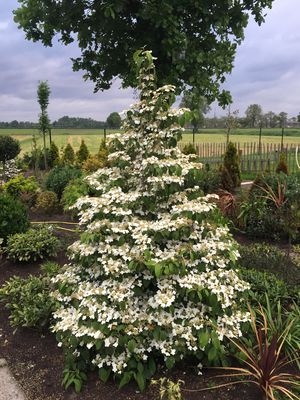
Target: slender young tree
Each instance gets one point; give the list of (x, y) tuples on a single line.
[(231, 122), (43, 94), (198, 106)]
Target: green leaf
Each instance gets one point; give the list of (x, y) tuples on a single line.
[(158, 270), (140, 367), (125, 379), (141, 380), (170, 361), (212, 354), (203, 338), (78, 385), (131, 345), (151, 366), (104, 374)]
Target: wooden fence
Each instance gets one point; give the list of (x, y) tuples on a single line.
[(253, 158)]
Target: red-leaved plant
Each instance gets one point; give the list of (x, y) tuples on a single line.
[(265, 364)]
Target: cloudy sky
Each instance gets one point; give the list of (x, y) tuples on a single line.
[(267, 71)]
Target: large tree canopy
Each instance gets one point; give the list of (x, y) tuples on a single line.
[(195, 41)]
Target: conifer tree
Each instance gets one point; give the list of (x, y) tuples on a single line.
[(68, 155), (152, 276), (53, 155), (83, 152), (282, 165), (232, 164)]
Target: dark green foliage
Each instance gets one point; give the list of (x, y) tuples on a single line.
[(28, 300), (35, 244), (53, 155), (226, 179), (36, 159), (76, 188), (68, 155), (255, 189), (47, 202), (273, 207), (13, 216), (266, 283), (198, 106), (254, 115), (232, 164), (83, 152), (59, 177), (189, 149), (209, 181), (9, 149), (282, 165), (195, 41), (114, 120), (264, 257)]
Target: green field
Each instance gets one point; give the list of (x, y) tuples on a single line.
[(93, 137)]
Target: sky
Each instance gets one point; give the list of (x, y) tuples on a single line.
[(266, 71)]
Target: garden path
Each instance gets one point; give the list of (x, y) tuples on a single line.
[(9, 389)]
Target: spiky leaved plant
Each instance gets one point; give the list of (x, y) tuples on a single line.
[(151, 278)]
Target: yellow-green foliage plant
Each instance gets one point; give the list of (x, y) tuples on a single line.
[(152, 277), (83, 153)]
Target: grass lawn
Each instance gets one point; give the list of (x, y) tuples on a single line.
[(93, 137)]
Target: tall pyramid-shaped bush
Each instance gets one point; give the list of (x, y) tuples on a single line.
[(151, 279)]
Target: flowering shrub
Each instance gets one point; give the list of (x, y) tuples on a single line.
[(151, 278), (10, 171)]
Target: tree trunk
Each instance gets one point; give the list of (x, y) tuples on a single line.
[(45, 151)]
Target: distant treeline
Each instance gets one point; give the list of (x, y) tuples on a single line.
[(64, 122)]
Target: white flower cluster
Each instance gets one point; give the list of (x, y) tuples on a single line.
[(9, 172), (153, 269)]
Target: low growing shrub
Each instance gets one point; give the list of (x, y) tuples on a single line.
[(29, 300), (263, 257), (26, 189), (209, 181), (273, 207), (47, 202), (59, 177), (35, 244), (92, 164), (76, 188), (13, 216), (266, 283), (189, 149)]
